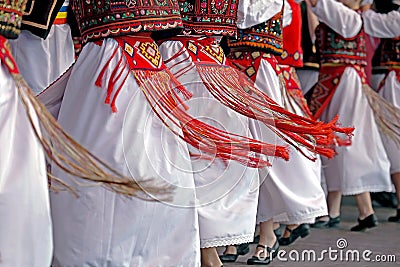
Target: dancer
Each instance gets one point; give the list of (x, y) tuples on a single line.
[(331, 97)]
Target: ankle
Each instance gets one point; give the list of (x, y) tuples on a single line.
[(364, 215)]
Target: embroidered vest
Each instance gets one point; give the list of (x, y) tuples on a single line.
[(209, 17), (10, 17), (388, 53), (99, 19), (334, 48), (40, 16), (266, 36), (292, 54)]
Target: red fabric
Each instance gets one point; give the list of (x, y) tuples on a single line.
[(249, 62), (6, 58), (292, 54), (203, 49), (293, 86)]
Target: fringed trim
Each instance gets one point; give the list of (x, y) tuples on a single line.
[(235, 90), (386, 115), (158, 88), (74, 159)]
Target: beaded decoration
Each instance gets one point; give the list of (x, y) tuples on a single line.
[(11, 17), (266, 36), (209, 17), (334, 48), (98, 19)]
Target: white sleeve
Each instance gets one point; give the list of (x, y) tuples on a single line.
[(287, 15), (253, 12), (340, 18), (382, 25)]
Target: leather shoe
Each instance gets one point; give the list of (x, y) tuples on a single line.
[(395, 218), (368, 222), (302, 231), (320, 224), (241, 249), (257, 260), (334, 222)]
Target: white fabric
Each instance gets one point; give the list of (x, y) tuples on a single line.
[(391, 92), (101, 228), (308, 78), (25, 223), (348, 22), (363, 166), (227, 192), (292, 192), (40, 61), (287, 14), (376, 80), (382, 25), (253, 12)]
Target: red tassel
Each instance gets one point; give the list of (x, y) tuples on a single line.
[(228, 86), (99, 80), (158, 89)]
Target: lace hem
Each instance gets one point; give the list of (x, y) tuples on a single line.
[(218, 242)]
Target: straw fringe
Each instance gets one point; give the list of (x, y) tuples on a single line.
[(386, 115), (74, 159)]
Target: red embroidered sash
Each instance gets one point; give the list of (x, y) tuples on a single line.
[(328, 81)]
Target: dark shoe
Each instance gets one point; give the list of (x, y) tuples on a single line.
[(265, 260), (369, 222), (395, 218), (302, 231), (384, 199), (256, 239), (320, 224), (278, 233), (241, 249), (334, 222)]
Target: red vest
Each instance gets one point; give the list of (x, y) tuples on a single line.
[(388, 53), (292, 54), (334, 48)]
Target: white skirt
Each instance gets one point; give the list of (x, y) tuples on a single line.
[(363, 166), (391, 92), (291, 191), (40, 61), (25, 223), (101, 228), (308, 78), (227, 192)]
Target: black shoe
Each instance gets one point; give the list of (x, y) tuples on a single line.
[(334, 222), (302, 231), (278, 233), (267, 260), (385, 199), (256, 239), (320, 224), (369, 222), (395, 218), (241, 249)]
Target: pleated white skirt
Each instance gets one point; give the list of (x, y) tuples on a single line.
[(41, 61), (25, 223), (101, 228), (227, 192), (363, 166), (291, 191)]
